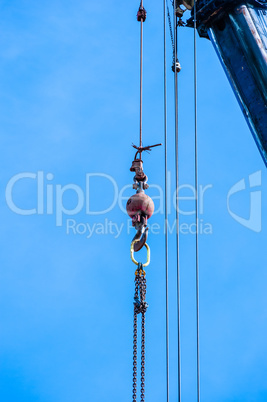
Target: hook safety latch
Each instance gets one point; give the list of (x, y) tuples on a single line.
[(132, 254)]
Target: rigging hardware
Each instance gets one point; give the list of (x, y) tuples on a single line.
[(140, 307), (141, 14), (141, 237), (132, 254), (140, 208)]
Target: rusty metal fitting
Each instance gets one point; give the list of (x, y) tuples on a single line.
[(141, 14), (137, 167), (137, 164), (140, 185)]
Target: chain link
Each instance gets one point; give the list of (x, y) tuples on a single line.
[(143, 360), (135, 340), (170, 24), (140, 306), (135, 357)]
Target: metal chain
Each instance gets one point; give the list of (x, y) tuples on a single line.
[(143, 360), (170, 24), (135, 340), (143, 297), (140, 306)]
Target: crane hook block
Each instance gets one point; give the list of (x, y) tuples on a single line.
[(140, 208)]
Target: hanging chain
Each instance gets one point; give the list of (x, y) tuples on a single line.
[(135, 341), (170, 26), (143, 344), (140, 306)]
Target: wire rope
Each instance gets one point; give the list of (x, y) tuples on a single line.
[(166, 205), (141, 76), (177, 203), (196, 199)]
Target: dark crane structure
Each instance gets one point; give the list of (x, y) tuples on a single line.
[(238, 32)]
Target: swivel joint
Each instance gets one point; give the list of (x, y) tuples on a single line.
[(137, 167)]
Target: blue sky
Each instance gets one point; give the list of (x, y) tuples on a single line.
[(69, 93)]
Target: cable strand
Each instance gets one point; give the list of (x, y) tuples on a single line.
[(141, 78), (166, 205), (196, 204), (177, 206)]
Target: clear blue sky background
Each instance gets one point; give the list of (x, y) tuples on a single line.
[(69, 91)]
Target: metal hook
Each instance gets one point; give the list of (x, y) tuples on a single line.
[(140, 238)]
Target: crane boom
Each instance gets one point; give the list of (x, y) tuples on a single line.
[(238, 32)]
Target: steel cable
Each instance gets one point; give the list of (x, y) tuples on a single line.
[(141, 75), (196, 203), (177, 204), (166, 205)]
